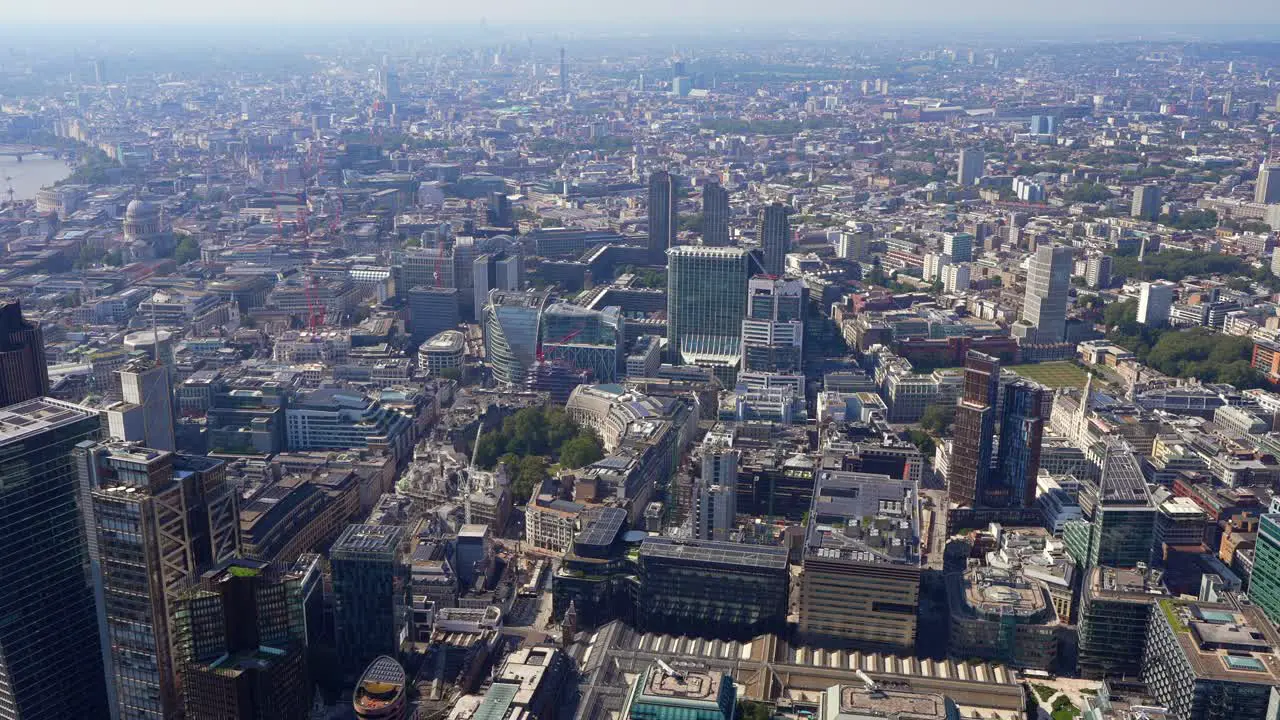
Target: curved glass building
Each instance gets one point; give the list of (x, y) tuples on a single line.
[(511, 322)]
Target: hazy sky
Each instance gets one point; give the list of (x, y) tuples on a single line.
[(654, 14)]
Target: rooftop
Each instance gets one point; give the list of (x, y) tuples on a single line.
[(36, 416), (715, 554), (369, 539), (861, 702), (1223, 643)]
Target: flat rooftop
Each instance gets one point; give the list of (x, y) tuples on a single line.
[(861, 702), (37, 416), (1224, 643), (686, 685), (715, 554)]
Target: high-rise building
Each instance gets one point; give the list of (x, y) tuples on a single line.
[(510, 322), (1018, 459), (1267, 190), (971, 162), (1097, 273), (717, 489), (1048, 291), (959, 246), (1118, 526), (662, 693), (853, 245), (663, 211), (775, 237), (432, 310), (52, 657), (1043, 124), (496, 271), (1264, 581), (715, 215), (773, 330), (1211, 661), (159, 521), (499, 211), (1115, 605), (148, 387), (585, 339), (861, 581), (1146, 202), (975, 427), (371, 594), (1155, 302), (956, 278), (241, 644), (24, 372), (706, 303), (709, 588)]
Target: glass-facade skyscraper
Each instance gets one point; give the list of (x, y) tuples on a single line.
[(715, 215), (24, 373), (663, 190), (510, 321), (706, 303), (50, 657), (585, 339), (775, 237), (1021, 433), (371, 594)]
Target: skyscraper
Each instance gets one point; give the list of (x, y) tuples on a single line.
[(1118, 528), (1146, 202), (495, 271), (1021, 432), (775, 237), (975, 427), (971, 162), (564, 74), (585, 339), (773, 330), (1098, 271), (510, 322), (663, 189), (1264, 582), (1155, 302), (52, 658), (499, 212), (706, 303), (1267, 189), (242, 644), (147, 386), (24, 372), (160, 519), (1048, 290), (715, 215), (371, 594)]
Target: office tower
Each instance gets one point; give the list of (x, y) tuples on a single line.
[(861, 582), (564, 74), (100, 72), (1118, 528), (959, 246), (510, 322), (1264, 582), (1267, 190), (1098, 272), (773, 330), (663, 209), (971, 162), (853, 245), (1048, 291), (706, 303), (1043, 124), (1115, 605), (432, 310), (775, 237), (242, 644), (715, 215), (159, 521), (1211, 661), (711, 589), (389, 85), (370, 592), (52, 657), (1146, 202), (1155, 301), (24, 372), (975, 428), (146, 386), (499, 211), (1018, 459), (716, 502), (1228, 100), (496, 271), (585, 339)]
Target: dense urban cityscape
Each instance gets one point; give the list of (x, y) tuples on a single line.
[(520, 376)]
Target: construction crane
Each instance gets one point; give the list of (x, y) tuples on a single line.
[(561, 341)]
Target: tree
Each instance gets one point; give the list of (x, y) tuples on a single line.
[(488, 448), (580, 451), (923, 441), (938, 418), (532, 472), (187, 250)]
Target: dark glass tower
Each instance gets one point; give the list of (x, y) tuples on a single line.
[(24, 373), (50, 658), (1021, 433), (715, 215), (370, 589), (775, 237), (974, 429), (662, 215)]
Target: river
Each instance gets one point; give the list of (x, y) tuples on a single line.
[(27, 177)]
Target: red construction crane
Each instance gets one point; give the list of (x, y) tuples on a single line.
[(561, 341)]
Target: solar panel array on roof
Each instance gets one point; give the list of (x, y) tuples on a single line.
[(715, 553), (604, 528)]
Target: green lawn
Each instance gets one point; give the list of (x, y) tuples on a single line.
[(1053, 374)]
